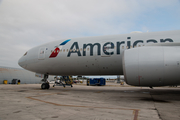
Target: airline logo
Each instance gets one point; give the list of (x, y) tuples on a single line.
[(57, 49), (108, 47)]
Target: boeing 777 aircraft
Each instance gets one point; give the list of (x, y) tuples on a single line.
[(145, 59)]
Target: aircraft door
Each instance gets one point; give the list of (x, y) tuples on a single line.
[(41, 54)]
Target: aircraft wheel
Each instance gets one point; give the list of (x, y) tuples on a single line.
[(47, 86), (43, 86)]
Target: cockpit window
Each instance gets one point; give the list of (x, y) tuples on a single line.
[(25, 54)]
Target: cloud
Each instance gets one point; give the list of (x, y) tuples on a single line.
[(28, 23)]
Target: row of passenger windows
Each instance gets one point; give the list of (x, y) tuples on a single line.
[(67, 50)]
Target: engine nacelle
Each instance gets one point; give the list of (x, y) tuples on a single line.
[(152, 66)]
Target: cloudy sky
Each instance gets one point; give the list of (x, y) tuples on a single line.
[(27, 23)]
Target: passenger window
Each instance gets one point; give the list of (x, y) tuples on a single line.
[(84, 49), (81, 49), (64, 50), (77, 49), (122, 47), (87, 49), (67, 50)]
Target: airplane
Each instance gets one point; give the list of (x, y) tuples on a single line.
[(145, 59)]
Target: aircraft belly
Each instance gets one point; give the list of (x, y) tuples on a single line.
[(87, 66)]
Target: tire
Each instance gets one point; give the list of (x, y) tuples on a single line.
[(47, 86), (43, 86)]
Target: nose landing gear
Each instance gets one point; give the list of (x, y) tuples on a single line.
[(45, 85)]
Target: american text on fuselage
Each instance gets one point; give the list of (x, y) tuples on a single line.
[(106, 47)]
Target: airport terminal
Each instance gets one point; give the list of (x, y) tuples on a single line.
[(9, 75)]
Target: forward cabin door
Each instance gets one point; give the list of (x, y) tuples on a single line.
[(41, 54)]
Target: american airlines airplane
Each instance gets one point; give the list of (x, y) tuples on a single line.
[(145, 59)]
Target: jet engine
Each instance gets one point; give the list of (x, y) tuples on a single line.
[(152, 66)]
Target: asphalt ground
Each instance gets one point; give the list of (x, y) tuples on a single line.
[(81, 102)]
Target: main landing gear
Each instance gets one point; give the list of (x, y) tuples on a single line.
[(45, 85)]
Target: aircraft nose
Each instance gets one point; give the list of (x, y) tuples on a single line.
[(22, 62)]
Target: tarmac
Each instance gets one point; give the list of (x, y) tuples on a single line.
[(81, 102)]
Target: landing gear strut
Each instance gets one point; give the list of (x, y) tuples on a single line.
[(45, 85)]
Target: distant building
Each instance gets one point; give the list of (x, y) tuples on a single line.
[(26, 77)]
